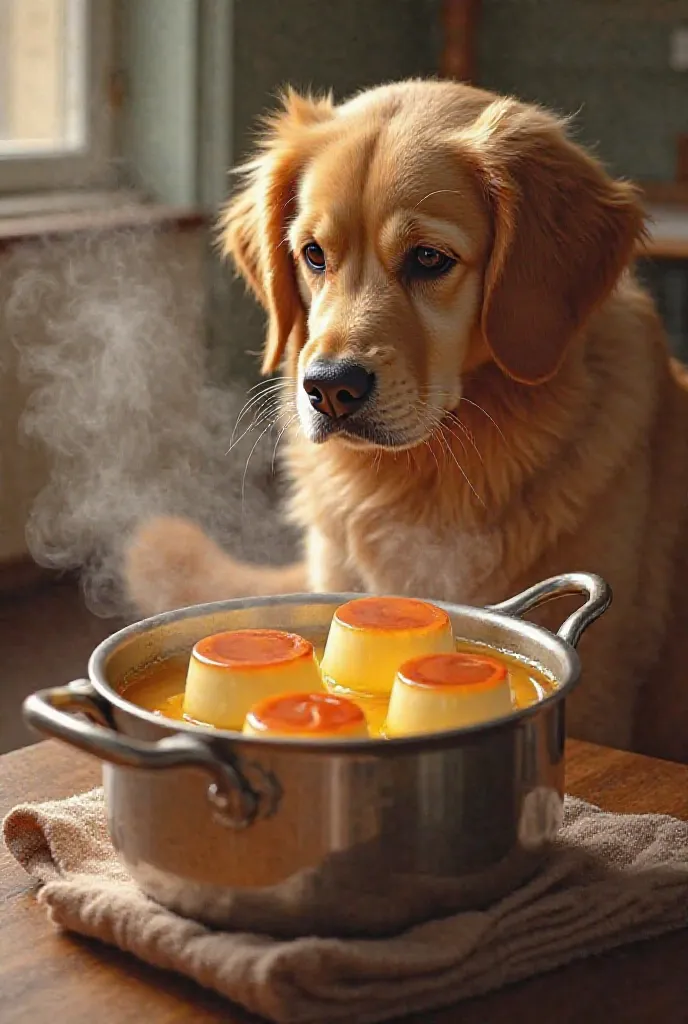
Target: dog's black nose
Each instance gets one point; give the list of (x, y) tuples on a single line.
[(337, 387)]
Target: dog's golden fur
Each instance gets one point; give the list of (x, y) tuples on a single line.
[(527, 419)]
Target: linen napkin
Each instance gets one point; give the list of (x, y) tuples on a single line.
[(612, 879)]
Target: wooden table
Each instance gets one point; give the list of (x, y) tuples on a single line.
[(47, 976)]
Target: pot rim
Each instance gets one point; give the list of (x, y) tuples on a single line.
[(374, 745)]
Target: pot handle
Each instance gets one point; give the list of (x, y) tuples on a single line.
[(598, 596), (52, 713)]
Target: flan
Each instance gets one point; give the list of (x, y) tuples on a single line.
[(314, 716), (438, 692), (230, 672), (370, 637)]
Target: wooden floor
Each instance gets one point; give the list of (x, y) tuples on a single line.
[(46, 636)]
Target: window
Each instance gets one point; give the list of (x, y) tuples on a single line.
[(55, 110)]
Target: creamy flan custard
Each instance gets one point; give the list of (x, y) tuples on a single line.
[(372, 636), (230, 672), (394, 661), (316, 716), (437, 692), (159, 687)]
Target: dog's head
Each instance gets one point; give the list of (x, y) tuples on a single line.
[(402, 239)]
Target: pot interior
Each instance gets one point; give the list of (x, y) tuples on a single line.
[(138, 646)]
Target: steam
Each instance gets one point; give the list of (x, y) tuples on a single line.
[(109, 338)]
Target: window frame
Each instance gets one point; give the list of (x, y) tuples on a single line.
[(92, 167)]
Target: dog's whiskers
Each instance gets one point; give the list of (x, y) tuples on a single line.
[(267, 383), (447, 447), (466, 433), (433, 422), (444, 427), (262, 434), (270, 389), (267, 408), (428, 445), (258, 421), (265, 412), (485, 413), (437, 392), (427, 425), (279, 438)]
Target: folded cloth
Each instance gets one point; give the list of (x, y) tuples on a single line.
[(612, 879)]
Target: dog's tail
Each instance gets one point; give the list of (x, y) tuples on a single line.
[(171, 563)]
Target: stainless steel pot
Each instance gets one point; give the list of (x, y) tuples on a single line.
[(292, 837)]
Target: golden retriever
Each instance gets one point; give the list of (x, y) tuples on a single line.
[(484, 394)]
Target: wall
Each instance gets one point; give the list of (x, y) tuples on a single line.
[(607, 61), (158, 49)]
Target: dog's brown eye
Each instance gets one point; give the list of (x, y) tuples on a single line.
[(315, 257), (426, 261)]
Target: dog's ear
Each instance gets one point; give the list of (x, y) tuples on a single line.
[(563, 233), (253, 226)]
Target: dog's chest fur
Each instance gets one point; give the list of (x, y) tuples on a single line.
[(393, 532)]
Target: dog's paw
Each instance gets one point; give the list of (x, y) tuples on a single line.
[(171, 563)]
